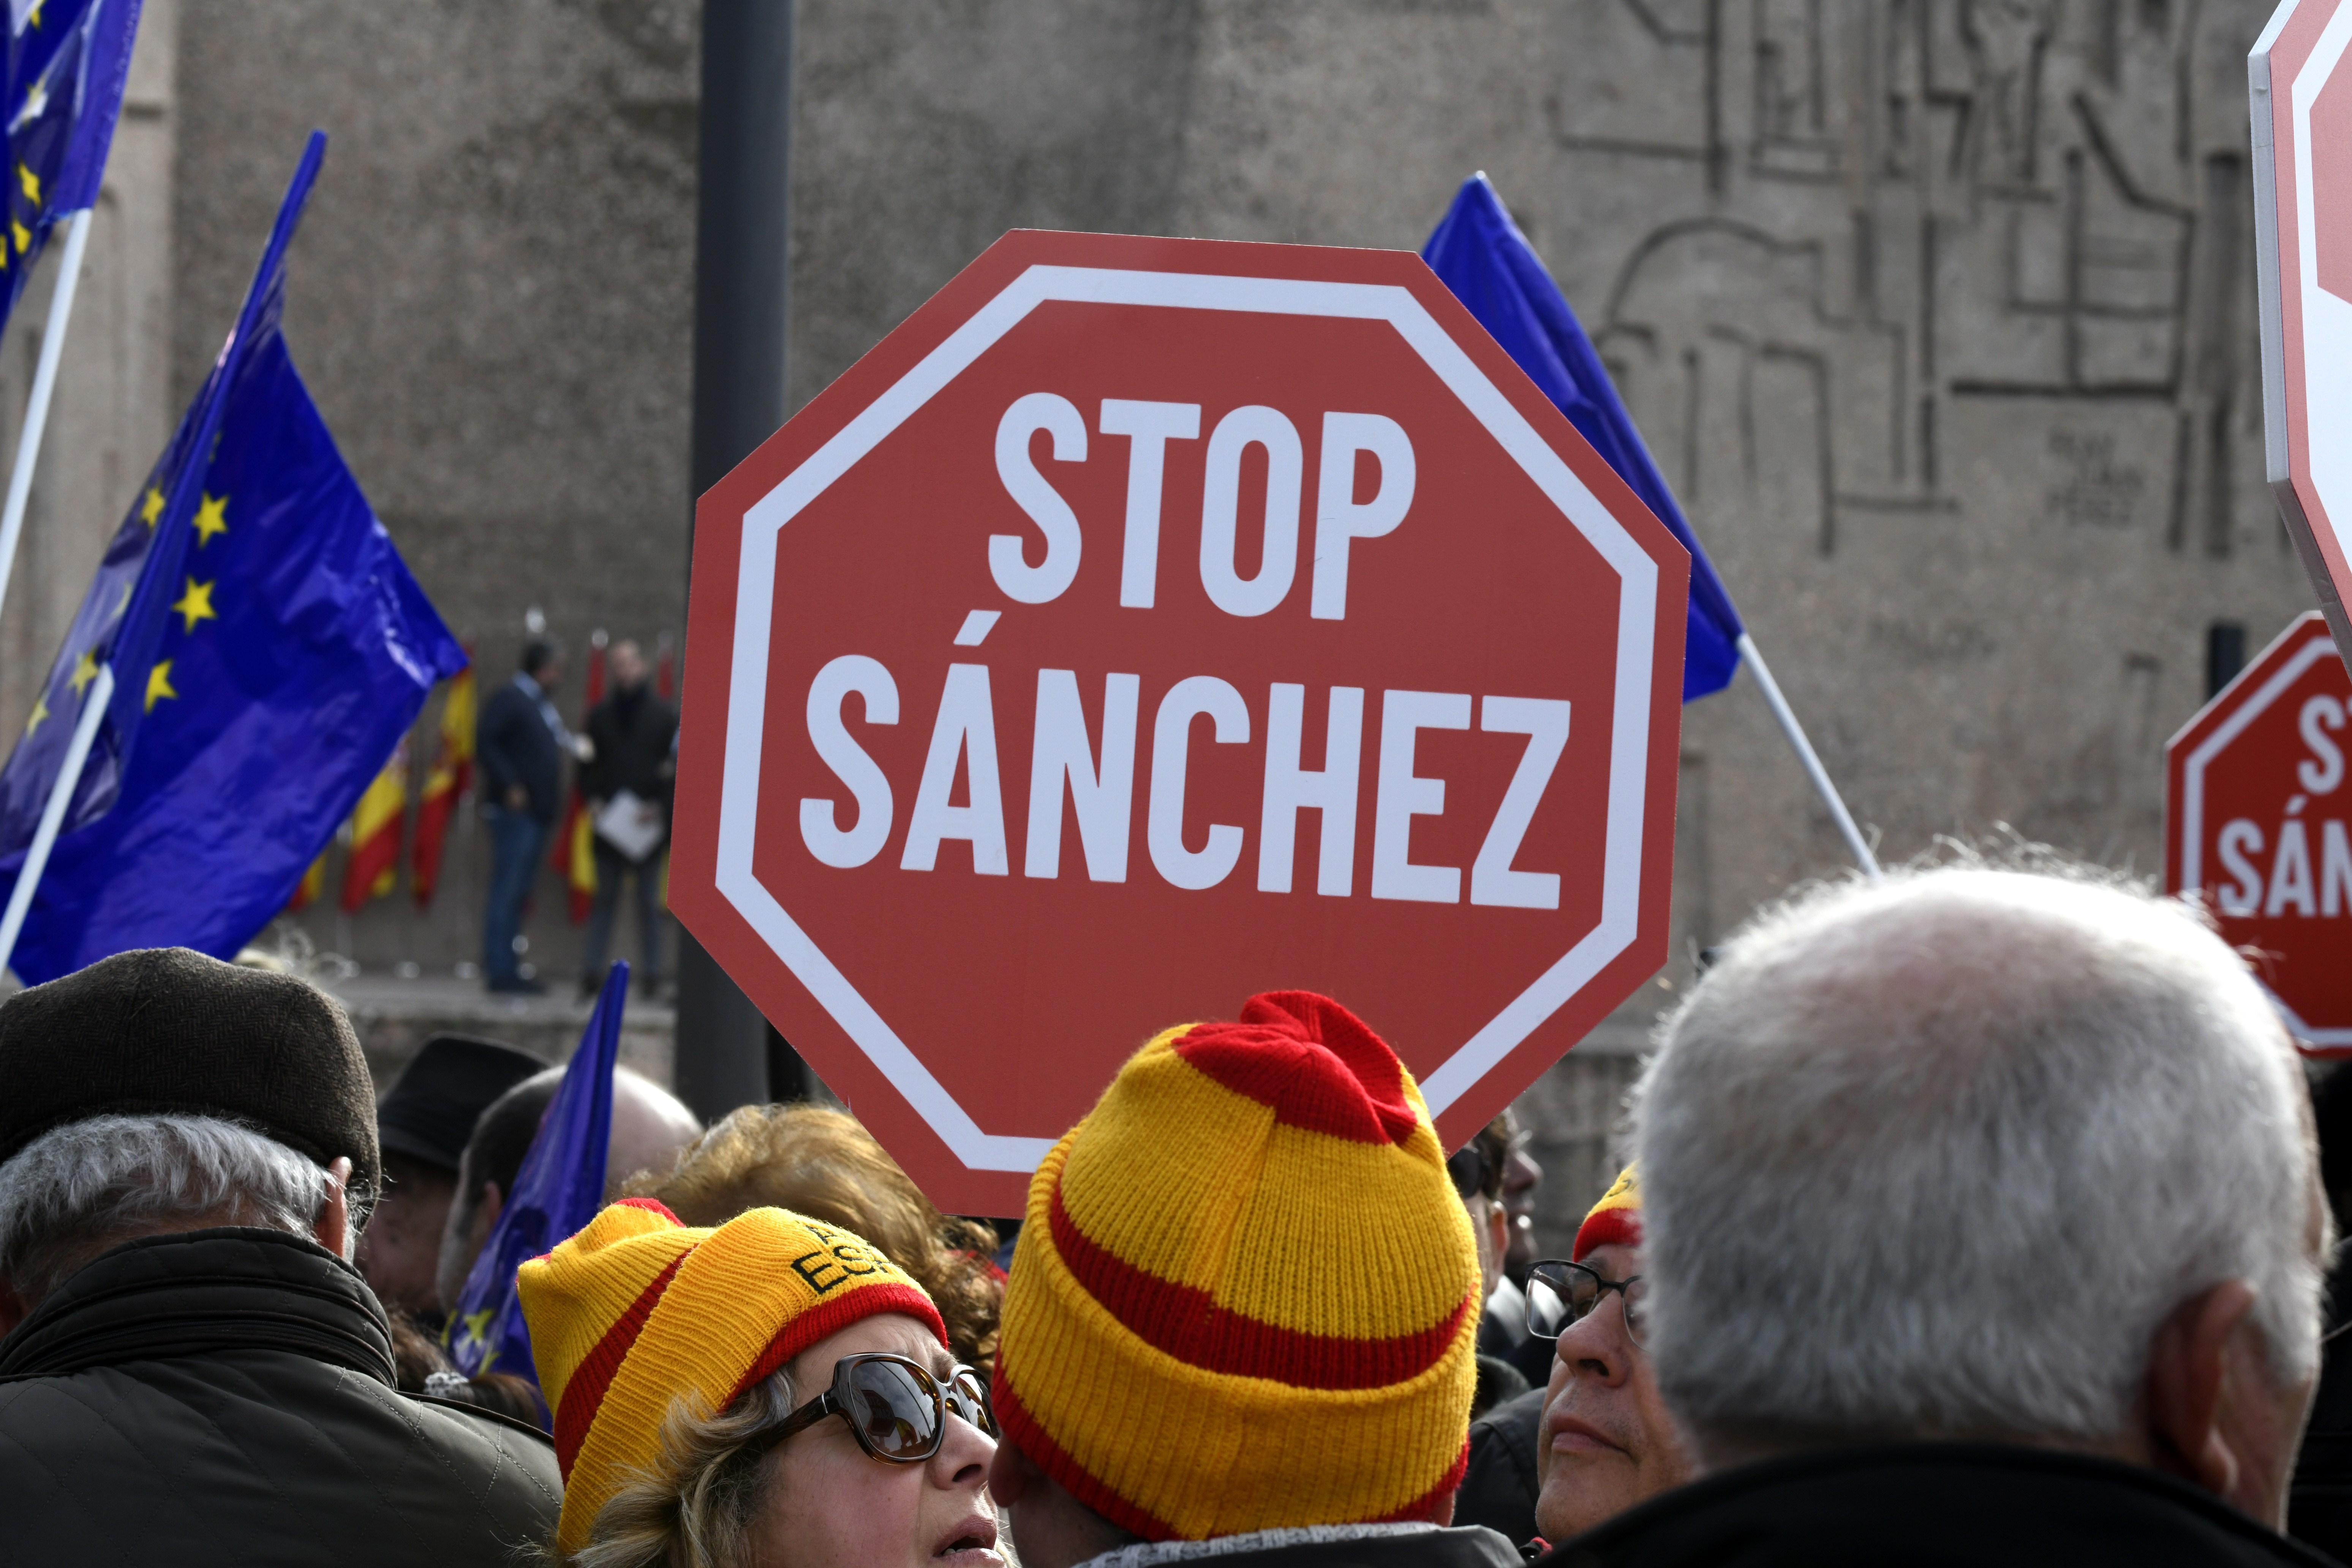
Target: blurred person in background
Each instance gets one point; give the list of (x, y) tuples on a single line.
[(1241, 1323), (520, 743), (822, 1163), (650, 1125), (632, 736), (1981, 1223), (192, 1371), (769, 1390), (1477, 1170), (421, 1124)]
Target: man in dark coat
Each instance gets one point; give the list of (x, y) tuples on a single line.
[(423, 1125), (632, 736), (519, 741), (1981, 1225), (191, 1371)]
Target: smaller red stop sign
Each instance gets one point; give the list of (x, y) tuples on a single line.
[(1145, 623), (2258, 824)]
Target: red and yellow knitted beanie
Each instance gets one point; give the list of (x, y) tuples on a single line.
[(637, 1310), (1247, 1296), (1614, 1221)]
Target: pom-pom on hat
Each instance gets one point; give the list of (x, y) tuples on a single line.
[(638, 1309), (1614, 1221), (1247, 1296)]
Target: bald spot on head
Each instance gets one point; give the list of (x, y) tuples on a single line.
[(650, 1127)]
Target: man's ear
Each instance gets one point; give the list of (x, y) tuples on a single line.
[(2186, 1377), (1011, 1473), (334, 1226), (13, 1309)]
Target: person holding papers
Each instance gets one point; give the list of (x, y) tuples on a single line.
[(628, 782)]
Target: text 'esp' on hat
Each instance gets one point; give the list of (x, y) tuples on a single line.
[(637, 1310), (1247, 1296), (164, 1031), (1614, 1221)]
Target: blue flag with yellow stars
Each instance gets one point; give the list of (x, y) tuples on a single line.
[(1479, 252), (558, 1191), (269, 649), (68, 61)]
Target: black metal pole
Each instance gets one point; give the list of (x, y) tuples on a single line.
[(723, 1052)]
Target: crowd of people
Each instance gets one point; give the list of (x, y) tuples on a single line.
[(1976, 1216), (624, 768)]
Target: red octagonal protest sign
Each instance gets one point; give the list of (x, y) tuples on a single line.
[(2301, 72), (1145, 623), (2258, 824)]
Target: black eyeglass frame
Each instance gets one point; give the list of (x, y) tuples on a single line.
[(1603, 1285), (834, 1401)]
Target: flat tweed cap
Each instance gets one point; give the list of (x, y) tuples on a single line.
[(164, 1031)]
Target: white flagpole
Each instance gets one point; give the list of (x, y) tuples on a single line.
[(53, 814), (36, 419), (1754, 657)]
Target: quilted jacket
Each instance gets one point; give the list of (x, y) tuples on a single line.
[(226, 1396)]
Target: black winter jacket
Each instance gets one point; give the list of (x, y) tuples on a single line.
[(226, 1396), (1935, 1505), (631, 732), (1499, 1489), (513, 746)]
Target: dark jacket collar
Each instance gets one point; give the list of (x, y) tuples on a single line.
[(194, 1293), (1934, 1503)]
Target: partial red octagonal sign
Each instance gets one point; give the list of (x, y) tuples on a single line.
[(2300, 80), (2259, 825), (1145, 623)]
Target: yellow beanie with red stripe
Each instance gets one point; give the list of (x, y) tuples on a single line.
[(1245, 1295), (637, 1310), (1614, 1221)]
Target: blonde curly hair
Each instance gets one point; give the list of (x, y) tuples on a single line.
[(695, 1507), (822, 1163)]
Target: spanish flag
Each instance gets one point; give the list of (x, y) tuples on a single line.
[(374, 863), (311, 887), (452, 774), (575, 842)]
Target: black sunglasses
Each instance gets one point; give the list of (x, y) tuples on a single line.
[(895, 1409)]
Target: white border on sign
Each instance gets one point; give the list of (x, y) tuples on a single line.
[(755, 598), (2317, 645)]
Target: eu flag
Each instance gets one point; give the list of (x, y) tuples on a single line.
[(1479, 252), (559, 1190), (67, 63), (269, 648)]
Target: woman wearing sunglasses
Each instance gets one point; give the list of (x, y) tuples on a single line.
[(769, 1392)]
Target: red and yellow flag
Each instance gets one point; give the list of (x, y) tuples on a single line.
[(575, 843), (311, 887), (374, 864), (453, 771)]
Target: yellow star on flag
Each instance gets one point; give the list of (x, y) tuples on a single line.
[(159, 684), (30, 182), (40, 711), (33, 13), (23, 236), (197, 604), (477, 1325), (210, 519), (85, 670), (151, 506)]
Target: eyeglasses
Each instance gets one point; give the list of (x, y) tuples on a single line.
[(895, 1409), (1467, 1167), (1561, 1293)]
